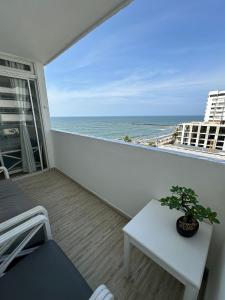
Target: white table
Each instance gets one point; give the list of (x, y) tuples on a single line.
[(153, 231)]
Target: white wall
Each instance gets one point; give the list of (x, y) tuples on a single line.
[(129, 176), (216, 282)]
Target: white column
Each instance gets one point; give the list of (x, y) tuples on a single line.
[(182, 134), (223, 145), (198, 135), (216, 136), (190, 132), (206, 136)]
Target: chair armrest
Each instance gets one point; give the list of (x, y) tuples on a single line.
[(37, 210), (26, 230), (102, 293), (5, 171)]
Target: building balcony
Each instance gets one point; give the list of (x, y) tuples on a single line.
[(90, 233), (94, 186), (97, 186), (128, 176)]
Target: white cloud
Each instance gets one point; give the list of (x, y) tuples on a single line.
[(137, 85)]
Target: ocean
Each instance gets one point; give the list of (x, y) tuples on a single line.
[(116, 127)]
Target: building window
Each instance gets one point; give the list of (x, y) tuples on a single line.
[(203, 129), (222, 130), (221, 138), (219, 144), (212, 129), (195, 129), (15, 65)]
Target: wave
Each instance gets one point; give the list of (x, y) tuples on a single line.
[(153, 124)]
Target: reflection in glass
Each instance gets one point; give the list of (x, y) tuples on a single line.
[(19, 151)]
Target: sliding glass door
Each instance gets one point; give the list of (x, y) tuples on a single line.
[(21, 139)]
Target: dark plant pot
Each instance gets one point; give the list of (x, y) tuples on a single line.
[(187, 227)]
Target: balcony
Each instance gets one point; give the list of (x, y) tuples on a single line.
[(128, 176), (90, 233), (96, 185)]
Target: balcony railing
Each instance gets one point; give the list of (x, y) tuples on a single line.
[(128, 176)]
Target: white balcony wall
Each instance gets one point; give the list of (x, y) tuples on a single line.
[(216, 288), (127, 176)]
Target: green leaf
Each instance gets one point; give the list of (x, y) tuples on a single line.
[(186, 200)]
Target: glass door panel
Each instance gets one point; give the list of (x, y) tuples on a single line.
[(38, 121), (19, 144)]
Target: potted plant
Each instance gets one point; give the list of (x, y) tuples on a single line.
[(185, 200)]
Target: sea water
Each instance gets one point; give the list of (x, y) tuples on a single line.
[(142, 127)]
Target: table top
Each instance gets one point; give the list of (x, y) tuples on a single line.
[(154, 229)]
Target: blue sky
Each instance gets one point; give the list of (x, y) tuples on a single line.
[(154, 57)]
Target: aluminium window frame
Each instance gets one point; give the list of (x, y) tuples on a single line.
[(17, 59), (28, 76)]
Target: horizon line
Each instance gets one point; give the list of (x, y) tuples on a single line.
[(102, 116)]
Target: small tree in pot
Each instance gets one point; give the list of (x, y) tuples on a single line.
[(185, 200)]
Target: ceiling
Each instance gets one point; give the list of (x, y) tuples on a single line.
[(41, 29)]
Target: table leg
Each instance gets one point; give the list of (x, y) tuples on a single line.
[(190, 293), (127, 248)]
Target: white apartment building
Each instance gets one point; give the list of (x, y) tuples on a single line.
[(215, 108), (202, 134), (209, 134)]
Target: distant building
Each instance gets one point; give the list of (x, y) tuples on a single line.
[(201, 134), (215, 108), (209, 134)]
